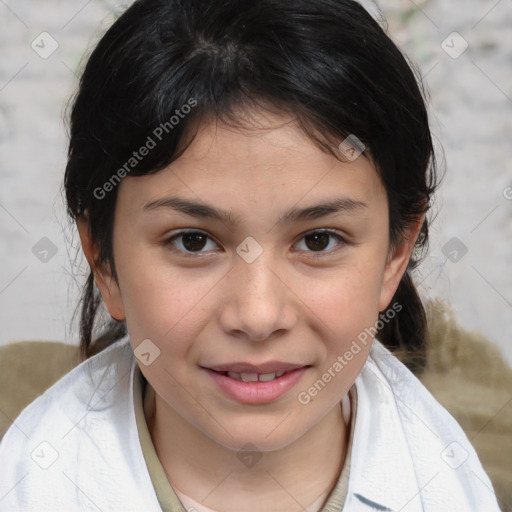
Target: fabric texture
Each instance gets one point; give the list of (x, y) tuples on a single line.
[(76, 447)]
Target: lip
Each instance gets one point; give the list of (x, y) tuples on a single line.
[(256, 392), (267, 367)]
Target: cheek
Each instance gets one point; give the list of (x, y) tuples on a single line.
[(347, 300), (161, 303), (347, 304), (164, 302)]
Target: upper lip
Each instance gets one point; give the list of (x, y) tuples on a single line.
[(268, 367)]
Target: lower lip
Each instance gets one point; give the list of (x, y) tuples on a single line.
[(257, 392)]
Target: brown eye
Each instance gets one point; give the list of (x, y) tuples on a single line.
[(321, 242), (317, 241), (194, 241), (190, 242)]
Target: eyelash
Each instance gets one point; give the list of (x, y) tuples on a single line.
[(169, 242)]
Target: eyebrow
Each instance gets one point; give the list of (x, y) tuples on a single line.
[(203, 210)]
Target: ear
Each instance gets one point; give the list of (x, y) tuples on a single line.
[(397, 263), (106, 283)]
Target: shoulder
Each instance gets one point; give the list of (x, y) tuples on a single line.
[(77, 389), (419, 441), (76, 441), (417, 407)]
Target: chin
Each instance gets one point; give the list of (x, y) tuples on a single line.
[(248, 435)]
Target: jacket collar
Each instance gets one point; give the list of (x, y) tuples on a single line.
[(382, 474)]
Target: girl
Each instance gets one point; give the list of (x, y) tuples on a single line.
[(250, 182)]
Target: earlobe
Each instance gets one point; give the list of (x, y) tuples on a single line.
[(397, 263), (103, 277)]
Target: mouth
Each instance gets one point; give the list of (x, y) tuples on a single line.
[(256, 387), (255, 377)]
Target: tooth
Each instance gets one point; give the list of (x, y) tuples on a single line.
[(280, 374), (265, 377), (249, 377), (234, 375)]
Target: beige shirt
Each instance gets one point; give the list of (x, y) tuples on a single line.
[(172, 500)]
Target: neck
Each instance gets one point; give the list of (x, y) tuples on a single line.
[(291, 478)]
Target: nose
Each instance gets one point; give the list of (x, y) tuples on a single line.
[(259, 304)]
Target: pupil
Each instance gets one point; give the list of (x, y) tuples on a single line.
[(319, 241), (193, 241)]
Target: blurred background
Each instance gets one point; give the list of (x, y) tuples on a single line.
[(462, 49)]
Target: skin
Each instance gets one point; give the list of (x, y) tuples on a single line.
[(214, 307)]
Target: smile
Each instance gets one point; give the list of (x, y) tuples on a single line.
[(256, 388)]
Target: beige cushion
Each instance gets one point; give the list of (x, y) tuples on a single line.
[(465, 372), (27, 369)]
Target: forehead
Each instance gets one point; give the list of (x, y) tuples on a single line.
[(269, 162)]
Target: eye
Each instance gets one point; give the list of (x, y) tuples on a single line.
[(189, 242), (197, 242), (321, 241)]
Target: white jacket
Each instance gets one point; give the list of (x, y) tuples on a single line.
[(76, 447)]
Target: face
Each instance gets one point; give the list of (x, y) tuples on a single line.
[(253, 253)]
